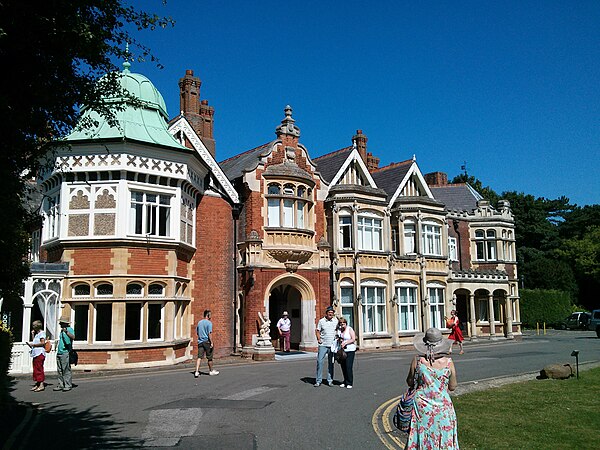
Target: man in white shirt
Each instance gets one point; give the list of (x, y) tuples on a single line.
[(325, 333), (284, 326)]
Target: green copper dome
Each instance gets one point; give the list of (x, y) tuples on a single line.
[(147, 123)]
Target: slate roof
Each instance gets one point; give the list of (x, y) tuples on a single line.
[(234, 167), (389, 177), (328, 165), (460, 197)]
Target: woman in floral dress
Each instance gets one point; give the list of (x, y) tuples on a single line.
[(432, 374)]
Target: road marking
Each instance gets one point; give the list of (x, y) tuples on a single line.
[(249, 393), (385, 435)]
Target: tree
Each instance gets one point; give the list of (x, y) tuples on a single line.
[(56, 54)]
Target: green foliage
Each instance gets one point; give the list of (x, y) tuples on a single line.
[(6, 341), (541, 305), (537, 414), (54, 54)]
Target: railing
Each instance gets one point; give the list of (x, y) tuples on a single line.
[(21, 361)]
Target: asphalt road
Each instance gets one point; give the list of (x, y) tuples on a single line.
[(265, 405)]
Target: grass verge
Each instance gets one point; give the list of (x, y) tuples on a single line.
[(538, 414)]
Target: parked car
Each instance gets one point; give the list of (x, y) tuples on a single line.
[(576, 321), (594, 324)]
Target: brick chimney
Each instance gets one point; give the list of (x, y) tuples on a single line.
[(360, 140), (197, 112), (436, 178)]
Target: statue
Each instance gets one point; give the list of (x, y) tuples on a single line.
[(265, 326)]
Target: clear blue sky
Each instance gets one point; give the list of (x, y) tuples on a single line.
[(512, 88)]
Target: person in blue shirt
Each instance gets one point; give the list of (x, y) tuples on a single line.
[(205, 344), (63, 366)]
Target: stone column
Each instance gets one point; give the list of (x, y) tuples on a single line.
[(393, 304), (509, 318), (309, 324), (357, 302), (491, 318), (473, 317)]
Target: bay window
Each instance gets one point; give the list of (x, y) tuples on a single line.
[(373, 308), (370, 230), (432, 239), (485, 245), (288, 207), (150, 214), (436, 307), (407, 307)]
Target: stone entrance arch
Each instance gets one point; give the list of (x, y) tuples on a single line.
[(295, 294)]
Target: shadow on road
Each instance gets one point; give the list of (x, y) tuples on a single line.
[(30, 425)]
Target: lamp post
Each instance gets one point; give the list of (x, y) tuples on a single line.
[(575, 353)]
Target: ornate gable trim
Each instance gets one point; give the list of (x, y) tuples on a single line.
[(353, 156), (183, 126), (414, 170)]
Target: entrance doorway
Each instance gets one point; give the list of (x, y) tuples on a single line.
[(286, 298), (462, 311)]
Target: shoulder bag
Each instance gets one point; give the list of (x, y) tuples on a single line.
[(47, 345), (404, 410), (73, 356)]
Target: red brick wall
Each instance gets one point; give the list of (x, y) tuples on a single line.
[(92, 357), (148, 260), (213, 271), (145, 354), (91, 261), (254, 302), (180, 350), (464, 243), (183, 264)]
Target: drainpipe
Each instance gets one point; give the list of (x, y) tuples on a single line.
[(235, 211), (458, 243)]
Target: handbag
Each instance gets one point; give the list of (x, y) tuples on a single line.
[(404, 410), (47, 345), (340, 356)]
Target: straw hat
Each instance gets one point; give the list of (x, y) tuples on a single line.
[(64, 318), (431, 342)]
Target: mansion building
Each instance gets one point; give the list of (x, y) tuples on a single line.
[(143, 230)]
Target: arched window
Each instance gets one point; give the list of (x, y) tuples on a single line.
[(104, 290), (134, 290), (156, 289), (81, 290)]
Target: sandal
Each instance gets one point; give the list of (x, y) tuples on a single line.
[(39, 389)]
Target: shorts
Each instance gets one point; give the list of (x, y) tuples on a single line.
[(205, 347)]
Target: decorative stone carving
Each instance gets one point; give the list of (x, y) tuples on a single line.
[(288, 124), (253, 236), (105, 200), (79, 201), (290, 255), (265, 326)]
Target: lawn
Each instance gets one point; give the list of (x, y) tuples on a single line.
[(538, 414)]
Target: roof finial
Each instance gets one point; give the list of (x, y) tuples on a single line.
[(287, 124), (414, 157), (126, 63)]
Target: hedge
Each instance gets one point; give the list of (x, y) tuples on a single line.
[(541, 305)]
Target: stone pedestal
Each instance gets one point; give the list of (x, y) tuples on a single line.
[(263, 350)]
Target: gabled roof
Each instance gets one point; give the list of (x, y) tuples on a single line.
[(329, 165), (235, 166), (183, 126), (459, 197), (389, 177)]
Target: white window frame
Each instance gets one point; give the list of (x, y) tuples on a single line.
[(141, 294), (95, 324), (483, 313), (74, 322), (96, 294), (81, 295), (410, 237), (164, 288), (437, 305), (288, 206), (346, 285), (431, 238), (345, 227), (51, 228), (452, 249), (411, 306), (379, 323), (146, 205), (370, 232)]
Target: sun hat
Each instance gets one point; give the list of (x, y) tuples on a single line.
[(329, 308), (431, 343), (64, 318), (285, 313)]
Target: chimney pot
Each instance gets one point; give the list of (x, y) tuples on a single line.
[(358, 131), (204, 102), (189, 72)]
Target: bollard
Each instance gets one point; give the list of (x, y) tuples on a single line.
[(544, 328), (537, 327)]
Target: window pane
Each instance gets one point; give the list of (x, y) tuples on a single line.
[(300, 216), (156, 289), (164, 217), (345, 232), (288, 213), (134, 289), (81, 322), (104, 289), (133, 317), (154, 321), (82, 289), (273, 212), (348, 313), (273, 189), (103, 321)]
